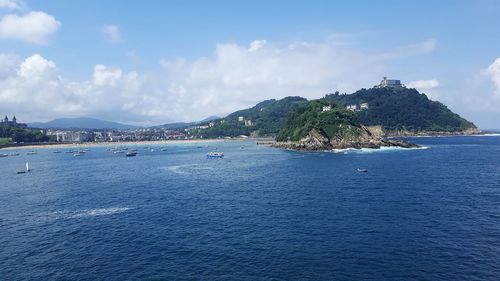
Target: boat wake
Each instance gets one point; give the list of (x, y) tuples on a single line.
[(187, 169), (92, 212)]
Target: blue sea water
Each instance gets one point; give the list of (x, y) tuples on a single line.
[(258, 214)]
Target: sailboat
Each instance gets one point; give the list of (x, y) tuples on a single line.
[(27, 169)]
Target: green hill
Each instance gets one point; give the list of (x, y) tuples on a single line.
[(264, 119), (312, 128), (337, 122), (402, 109)]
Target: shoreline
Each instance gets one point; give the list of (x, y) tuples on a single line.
[(112, 144)]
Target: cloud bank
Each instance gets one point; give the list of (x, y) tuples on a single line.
[(233, 77)]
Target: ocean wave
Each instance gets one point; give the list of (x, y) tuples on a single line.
[(91, 212), (375, 150)]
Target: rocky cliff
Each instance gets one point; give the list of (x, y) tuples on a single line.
[(364, 137)]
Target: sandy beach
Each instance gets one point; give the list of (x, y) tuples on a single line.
[(113, 144)]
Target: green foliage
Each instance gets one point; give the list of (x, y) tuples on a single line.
[(4, 141), (402, 109), (337, 122), (267, 118), (22, 134)]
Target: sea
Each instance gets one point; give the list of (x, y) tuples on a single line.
[(259, 213)]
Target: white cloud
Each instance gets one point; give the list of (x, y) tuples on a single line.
[(494, 73), (34, 27), (112, 33), (234, 77), (106, 77), (257, 44), (423, 84), (11, 4)]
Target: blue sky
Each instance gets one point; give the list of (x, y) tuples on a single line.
[(152, 62)]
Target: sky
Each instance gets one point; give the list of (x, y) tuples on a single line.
[(155, 62)]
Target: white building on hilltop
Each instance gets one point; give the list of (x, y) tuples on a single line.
[(327, 108), (363, 106), (390, 83)]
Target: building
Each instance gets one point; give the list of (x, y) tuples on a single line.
[(12, 123), (353, 107), (70, 136), (390, 83), (363, 106), (241, 118), (327, 108), (248, 123)]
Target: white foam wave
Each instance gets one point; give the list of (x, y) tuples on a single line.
[(94, 212), (374, 150)]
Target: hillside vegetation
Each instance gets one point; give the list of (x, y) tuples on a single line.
[(335, 123), (402, 109)]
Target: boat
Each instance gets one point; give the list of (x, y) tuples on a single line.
[(78, 154), (25, 171), (131, 154), (362, 170), (215, 154), (14, 154), (163, 149), (56, 151), (4, 155), (152, 150), (31, 152), (119, 151), (70, 151)]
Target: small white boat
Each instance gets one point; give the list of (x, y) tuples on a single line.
[(119, 151), (31, 152), (78, 154), (56, 151), (3, 155), (215, 154), (362, 170)]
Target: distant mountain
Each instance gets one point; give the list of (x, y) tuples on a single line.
[(81, 123)]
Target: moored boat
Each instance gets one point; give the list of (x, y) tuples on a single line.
[(215, 154), (131, 154)]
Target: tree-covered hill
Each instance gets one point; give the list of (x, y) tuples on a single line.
[(336, 122), (312, 128), (402, 109), (264, 119)]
